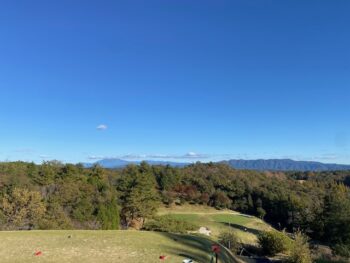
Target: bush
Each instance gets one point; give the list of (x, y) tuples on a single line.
[(55, 218), (300, 252), (230, 240), (169, 224), (108, 216), (273, 242), (342, 250), (260, 212)]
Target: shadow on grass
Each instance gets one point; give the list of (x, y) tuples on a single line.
[(196, 248), (243, 228)]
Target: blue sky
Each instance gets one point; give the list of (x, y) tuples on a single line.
[(175, 80)]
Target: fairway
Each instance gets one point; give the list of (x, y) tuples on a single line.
[(103, 246), (246, 227)]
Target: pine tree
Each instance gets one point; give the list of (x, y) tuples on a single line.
[(140, 198), (337, 215)]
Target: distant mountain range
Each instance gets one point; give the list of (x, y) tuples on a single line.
[(260, 165), (114, 163), (284, 165)]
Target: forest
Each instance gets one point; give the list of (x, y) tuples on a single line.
[(54, 195)]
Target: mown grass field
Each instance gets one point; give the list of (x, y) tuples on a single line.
[(131, 246), (103, 246), (246, 227)]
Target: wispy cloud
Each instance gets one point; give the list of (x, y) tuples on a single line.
[(187, 156), (102, 127), (136, 156), (93, 157), (329, 156), (44, 156), (193, 155)]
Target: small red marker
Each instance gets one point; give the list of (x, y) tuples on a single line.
[(162, 258), (215, 248), (38, 253)]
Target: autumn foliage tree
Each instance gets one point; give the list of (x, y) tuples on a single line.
[(21, 209)]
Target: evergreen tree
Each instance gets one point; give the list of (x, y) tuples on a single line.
[(337, 215), (140, 198), (108, 216)]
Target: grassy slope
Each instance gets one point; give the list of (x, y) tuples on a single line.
[(219, 220), (129, 246), (102, 246)]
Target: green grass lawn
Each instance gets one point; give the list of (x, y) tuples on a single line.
[(131, 246), (231, 219), (246, 227), (186, 217), (103, 246)]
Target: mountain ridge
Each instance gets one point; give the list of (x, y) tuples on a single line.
[(284, 165), (114, 163), (240, 164)]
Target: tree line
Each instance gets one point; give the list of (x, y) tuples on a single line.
[(66, 196)]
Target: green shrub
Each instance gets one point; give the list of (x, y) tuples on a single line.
[(169, 224), (323, 260), (300, 252), (260, 212), (55, 218), (273, 242), (108, 215), (230, 240), (342, 250)]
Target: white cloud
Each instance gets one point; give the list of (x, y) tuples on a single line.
[(94, 157), (44, 156), (188, 156), (193, 155), (134, 156), (102, 127), (147, 156)]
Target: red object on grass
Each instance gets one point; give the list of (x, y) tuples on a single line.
[(38, 253), (162, 257), (215, 248)]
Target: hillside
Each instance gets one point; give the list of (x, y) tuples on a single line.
[(217, 221), (132, 246)]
